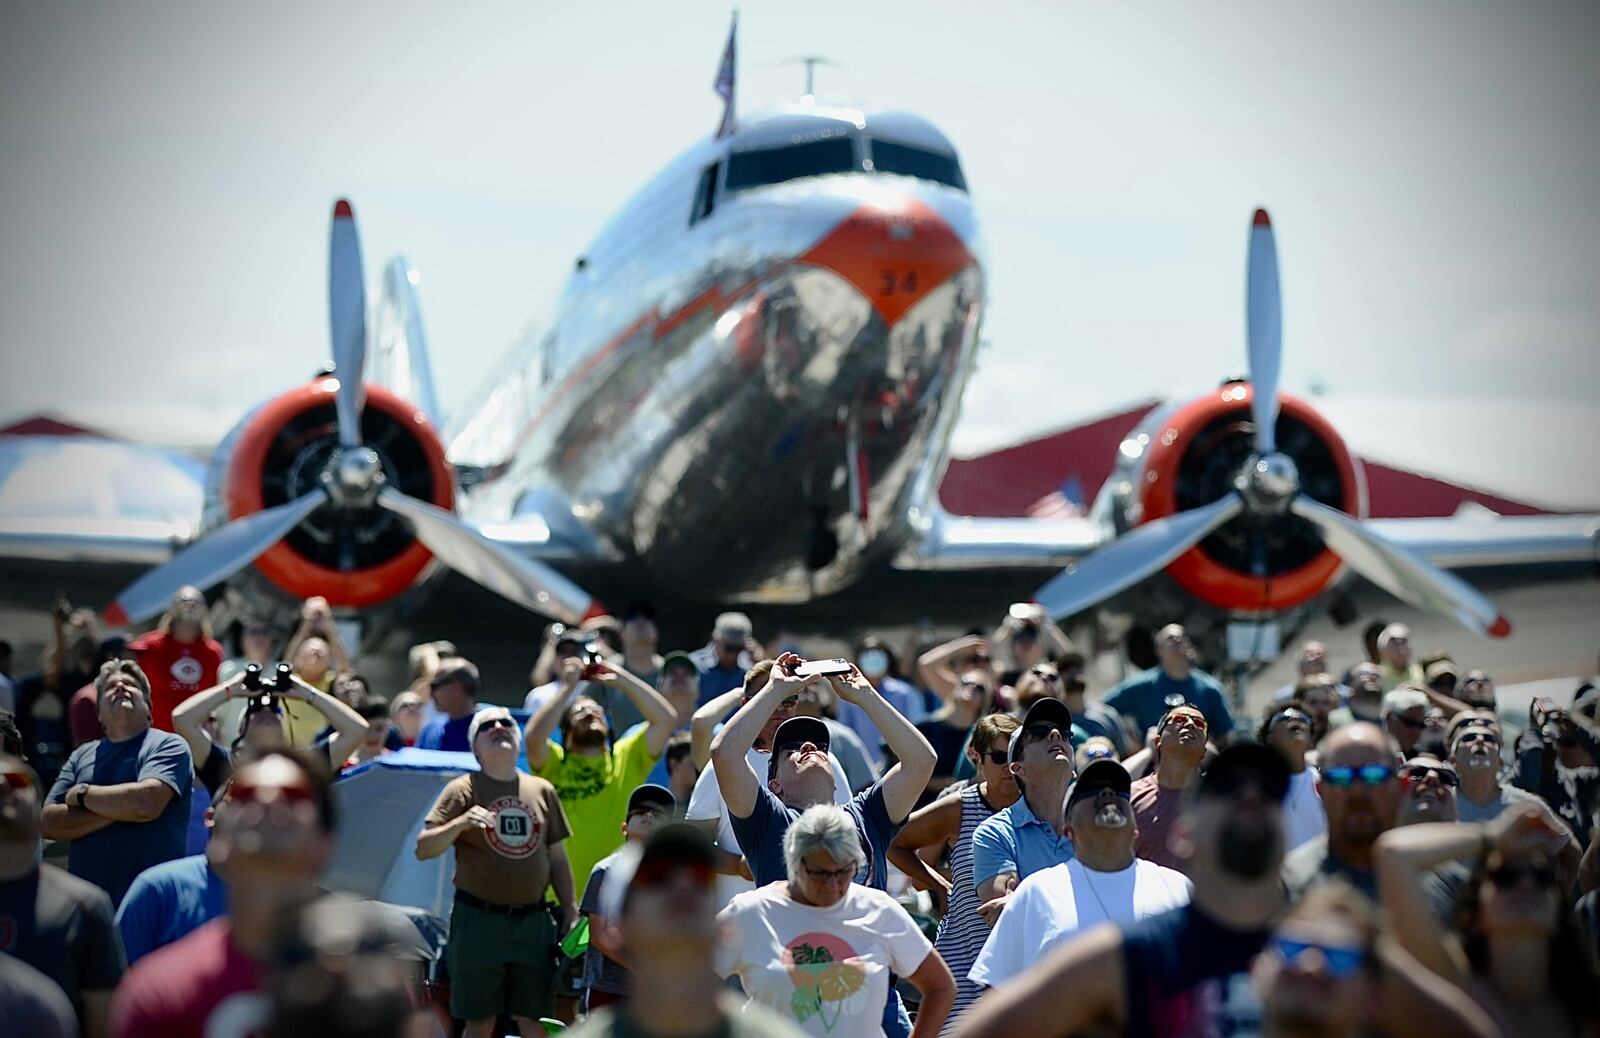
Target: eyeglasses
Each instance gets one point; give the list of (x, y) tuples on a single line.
[(789, 703), (980, 657), (1041, 730), (1000, 757), (1469, 738), (655, 872), (1411, 722), (847, 872), (1416, 774), (1509, 874), (497, 722), (975, 684), (1290, 715), (16, 780), (1187, 720), (250, 793), (1045, 675), (1098, 752), (1343, 961), (1342, 775)]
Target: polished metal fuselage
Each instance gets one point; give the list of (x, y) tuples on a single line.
[(718, 406)]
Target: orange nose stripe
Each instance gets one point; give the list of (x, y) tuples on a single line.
[(894, 256)]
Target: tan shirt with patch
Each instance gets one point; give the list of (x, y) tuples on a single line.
[(508, 863)]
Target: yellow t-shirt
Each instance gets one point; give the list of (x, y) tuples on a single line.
[(594, 793)]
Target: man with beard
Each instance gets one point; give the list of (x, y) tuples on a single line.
[(270, 845), (1183, 972), (56, 923), (1104, 883), (1158, 798), (180, 656), (1030, 835), (1287, 729), (594, 774), (1360, 794), (122, 800)]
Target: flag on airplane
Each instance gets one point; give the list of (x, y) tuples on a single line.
[(724, 83)]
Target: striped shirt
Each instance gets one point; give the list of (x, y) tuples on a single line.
[(962, 931)]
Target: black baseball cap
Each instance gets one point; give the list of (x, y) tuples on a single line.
[(1244, 764), (1103, 773), (797, 730), (1052, 711), (651, 795)]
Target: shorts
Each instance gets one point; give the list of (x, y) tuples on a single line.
[(500, 963)]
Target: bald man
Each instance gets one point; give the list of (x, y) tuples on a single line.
[(1360, 792)]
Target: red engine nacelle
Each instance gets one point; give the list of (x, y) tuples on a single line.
[(358, 558), (1193, 455)]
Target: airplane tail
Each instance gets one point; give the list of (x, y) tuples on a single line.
[(398, 358)]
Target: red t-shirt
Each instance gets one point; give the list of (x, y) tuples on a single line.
[(176, 671), (83, 715), (200, 986)]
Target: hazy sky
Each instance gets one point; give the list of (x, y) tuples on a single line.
[(166, 172)]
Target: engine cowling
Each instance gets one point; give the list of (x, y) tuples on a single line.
[(1192, 457), (352, 558)]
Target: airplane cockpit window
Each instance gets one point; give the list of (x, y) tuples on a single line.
[(754, 168), (889, 157), (705, 194)]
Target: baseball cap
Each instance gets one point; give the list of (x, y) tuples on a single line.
[(732, 628), (1100, 774), (1243, 764), (679, 658), (651, 795), (797, 730), (1053, 711), (1439, 669)]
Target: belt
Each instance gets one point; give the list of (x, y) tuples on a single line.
[(514, 911)]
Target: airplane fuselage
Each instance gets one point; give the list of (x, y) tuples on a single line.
[(752, 376)]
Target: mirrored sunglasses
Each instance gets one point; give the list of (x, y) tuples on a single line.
[(1368, 774)]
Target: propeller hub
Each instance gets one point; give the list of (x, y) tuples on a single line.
[(354, 476), (1269, 482)]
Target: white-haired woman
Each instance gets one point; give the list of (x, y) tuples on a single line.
[(818, 947)]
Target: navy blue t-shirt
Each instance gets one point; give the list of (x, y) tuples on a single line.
[(441, 733), (761, 835), (1186, 974), (113, 856)]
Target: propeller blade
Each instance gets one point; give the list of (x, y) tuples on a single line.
[(525, 581), (1137, 554), (347, 320), (1264, 321), (1401, 573), (213, 558)]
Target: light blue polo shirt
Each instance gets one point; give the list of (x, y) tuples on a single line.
[(1017, 840)]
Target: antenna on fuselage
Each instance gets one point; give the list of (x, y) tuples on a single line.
[(810, 61)]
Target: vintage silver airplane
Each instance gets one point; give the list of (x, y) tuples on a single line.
[(747, 395)]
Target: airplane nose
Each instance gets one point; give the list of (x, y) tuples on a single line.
[(893, 254)]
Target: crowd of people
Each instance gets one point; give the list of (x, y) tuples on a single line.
[(958, 839)]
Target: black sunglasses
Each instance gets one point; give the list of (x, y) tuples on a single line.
[(1041, 729), (1417, 773), (998, 757), (497, 722), (1409, 722), (1509, 874)]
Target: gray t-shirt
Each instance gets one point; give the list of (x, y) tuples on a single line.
[(111, 857), (600, 971), (1467, 811)]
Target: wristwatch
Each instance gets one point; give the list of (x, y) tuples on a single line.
[(80, 789)]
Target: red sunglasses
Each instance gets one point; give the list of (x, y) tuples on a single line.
[(16, 780), (657, 871), (250, 793)]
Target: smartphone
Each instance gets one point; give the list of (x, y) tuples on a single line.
[(822, 668)]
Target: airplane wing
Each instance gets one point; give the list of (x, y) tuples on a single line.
[(1475, 537), (85, 499), (962, 542)]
